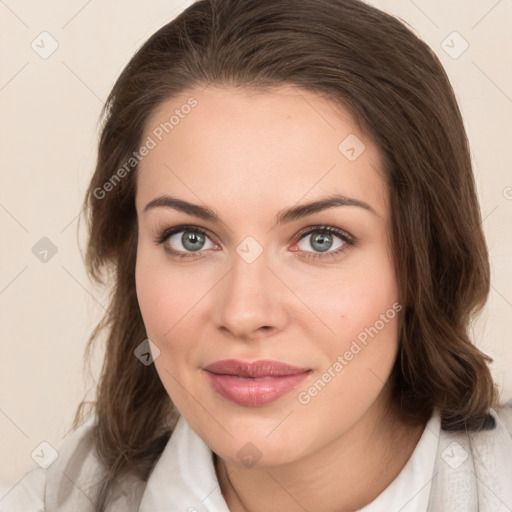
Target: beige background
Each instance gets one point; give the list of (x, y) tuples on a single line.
[(49, 112)]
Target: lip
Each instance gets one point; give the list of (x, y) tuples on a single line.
[(256, 383)]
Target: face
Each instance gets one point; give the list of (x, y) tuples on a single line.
[(248, 273)]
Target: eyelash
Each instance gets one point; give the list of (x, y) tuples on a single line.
[(348, 240)]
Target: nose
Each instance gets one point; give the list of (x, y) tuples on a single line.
[(249, 302)]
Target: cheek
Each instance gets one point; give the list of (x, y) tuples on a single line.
[(372, 307), (371, 320), (166, 301), (166, 294), (351, 300)]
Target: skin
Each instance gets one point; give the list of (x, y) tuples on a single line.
[(247, 156)]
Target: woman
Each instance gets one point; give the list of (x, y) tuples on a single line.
[(300, 346)]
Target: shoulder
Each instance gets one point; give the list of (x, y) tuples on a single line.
[(497, 430), (31, 492), (494, 440), (26, 494), (473, 469)]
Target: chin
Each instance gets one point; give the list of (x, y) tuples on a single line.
[(259, 453)]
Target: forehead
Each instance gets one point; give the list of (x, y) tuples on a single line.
[(243, 148)]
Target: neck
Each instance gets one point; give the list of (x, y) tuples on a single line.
[(349, 472)]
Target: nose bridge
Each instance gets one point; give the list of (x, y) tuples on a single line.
[(250, 296)]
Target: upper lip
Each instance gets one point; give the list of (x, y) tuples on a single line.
[(262, 368)]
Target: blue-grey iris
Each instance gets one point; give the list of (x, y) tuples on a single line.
[(192, 241), (321, 241)]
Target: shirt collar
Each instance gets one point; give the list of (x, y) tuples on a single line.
[(184, 477)]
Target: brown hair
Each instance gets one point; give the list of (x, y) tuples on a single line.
[(395, 87)]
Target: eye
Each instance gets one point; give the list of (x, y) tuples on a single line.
[(326, 241), (184, 241)]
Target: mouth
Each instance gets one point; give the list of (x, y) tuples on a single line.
[(254, 384)]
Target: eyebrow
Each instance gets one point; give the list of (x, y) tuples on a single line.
[(282, 217)]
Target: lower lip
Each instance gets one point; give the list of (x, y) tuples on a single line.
[(254, 392)]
